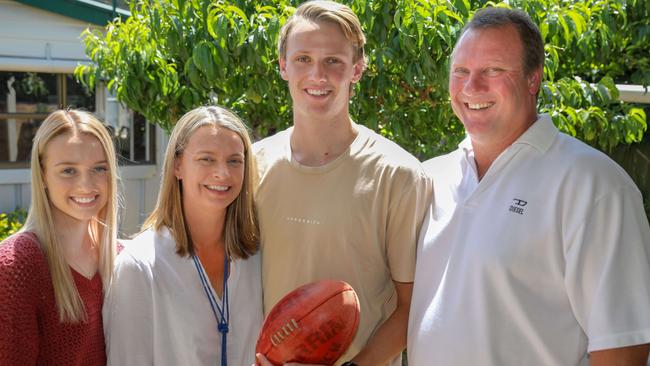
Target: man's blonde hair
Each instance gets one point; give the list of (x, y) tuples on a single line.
[(41, 222), (327, 11), (241, 230)]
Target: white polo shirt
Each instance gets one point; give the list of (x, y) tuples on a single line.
[(543, 260)]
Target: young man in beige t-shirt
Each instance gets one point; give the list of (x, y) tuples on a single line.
[(336, 200)]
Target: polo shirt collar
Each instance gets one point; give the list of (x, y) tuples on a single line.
[(540, 135)]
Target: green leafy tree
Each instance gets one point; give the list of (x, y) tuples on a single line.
[(171, 56), (11, 222), (584, 44)]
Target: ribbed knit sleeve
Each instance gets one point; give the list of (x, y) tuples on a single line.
[(22, 269)]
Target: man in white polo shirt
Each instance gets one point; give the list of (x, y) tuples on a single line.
[(536, 250)]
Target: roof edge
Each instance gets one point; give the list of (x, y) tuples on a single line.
[(85, 10)]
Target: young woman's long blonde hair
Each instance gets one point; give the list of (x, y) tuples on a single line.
[(241, 232), (40, 220)]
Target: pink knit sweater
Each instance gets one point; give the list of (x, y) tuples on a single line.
[(30, 330)]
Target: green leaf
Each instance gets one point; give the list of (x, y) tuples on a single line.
[(579, 22), (203, 60), (608, 83)]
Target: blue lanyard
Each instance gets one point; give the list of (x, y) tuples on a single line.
[(221, 313)]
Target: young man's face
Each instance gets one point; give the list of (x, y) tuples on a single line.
[(320, 67)]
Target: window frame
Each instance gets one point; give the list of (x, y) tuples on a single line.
[(102, 98)]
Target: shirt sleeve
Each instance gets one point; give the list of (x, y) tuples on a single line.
[(20, 286), (608, 272), (127, 313), (406, 214)]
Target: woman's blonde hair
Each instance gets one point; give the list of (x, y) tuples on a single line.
[(241, 231), (41, 222)]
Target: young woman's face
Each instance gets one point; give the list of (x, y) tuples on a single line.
[(211, 169), (77, 175)]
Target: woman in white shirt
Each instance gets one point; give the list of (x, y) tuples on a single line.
[(187, 290)]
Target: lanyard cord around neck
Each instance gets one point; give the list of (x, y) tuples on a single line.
[(221, 313)]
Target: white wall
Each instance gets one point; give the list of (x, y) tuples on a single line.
[(39, 41), (36, 40)]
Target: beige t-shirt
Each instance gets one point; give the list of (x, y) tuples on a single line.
[(355, 219)]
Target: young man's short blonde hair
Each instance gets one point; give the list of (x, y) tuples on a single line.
[(327, 11)]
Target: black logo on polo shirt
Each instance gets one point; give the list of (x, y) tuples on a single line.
[(517, 206)]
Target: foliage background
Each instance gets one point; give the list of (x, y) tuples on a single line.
[(173, 55), (11, 222)]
